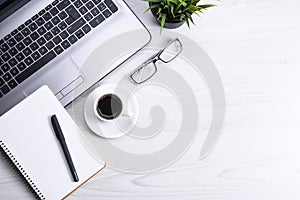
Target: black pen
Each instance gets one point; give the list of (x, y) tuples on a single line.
[(61, 139)]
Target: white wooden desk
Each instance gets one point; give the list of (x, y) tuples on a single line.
[(256, 48)]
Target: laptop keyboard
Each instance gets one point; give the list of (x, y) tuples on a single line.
[(46, 35)]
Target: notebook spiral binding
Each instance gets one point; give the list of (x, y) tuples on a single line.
[(18, 168)]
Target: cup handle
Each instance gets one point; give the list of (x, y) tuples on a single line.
[(127, 113)]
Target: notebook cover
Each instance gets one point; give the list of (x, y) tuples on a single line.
[(27, 133)]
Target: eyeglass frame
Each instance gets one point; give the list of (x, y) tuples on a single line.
[(153, 59)]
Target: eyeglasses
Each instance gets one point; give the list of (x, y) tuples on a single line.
[(146, 70)]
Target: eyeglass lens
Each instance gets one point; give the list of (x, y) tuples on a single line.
[(171, 51), (144, 73)]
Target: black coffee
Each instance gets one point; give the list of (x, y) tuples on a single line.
[(109, 106)]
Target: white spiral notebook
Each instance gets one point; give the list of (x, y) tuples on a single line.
[(29, 142)]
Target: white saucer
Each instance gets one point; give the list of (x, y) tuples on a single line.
[(110, 129)]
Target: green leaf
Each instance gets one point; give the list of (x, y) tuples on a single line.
[(172, 11), (204, 6), (163, 20), (151, 7)]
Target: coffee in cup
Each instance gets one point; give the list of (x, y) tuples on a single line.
[(108, 107)]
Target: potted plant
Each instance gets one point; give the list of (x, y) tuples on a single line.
[(173, 13)]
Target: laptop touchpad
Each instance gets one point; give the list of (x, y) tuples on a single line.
[(61, 75)]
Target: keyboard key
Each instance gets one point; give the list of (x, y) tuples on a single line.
[(25, 32), (11, 42), (55, 2), (101, 6), (21, 27), (41, 41), (63, 4), (1, 63), (65, 44), (47, 16), (33, 26), (83, 10), (55, 31), (1, 95), (34, 35), (96, 1), (95, 22), (40, 21), (54, 11), (57, 40), (72, 12), (14, 71), (41, 31), (13, 51), (89, 5), (5, 89), (80, 22), (58, 49), (86, 28), (69, 20), (4, 47), (95, 11), (20, 57), (78, 4), (28, 22), (48, 25), (48, 36), (20, 46), (21, 66), (14, 32), (27, 51), (106, 13), (6, 77), (35, 17), (1, 41), (34, 46), (12, 84), (55, 20), (28, 61), (36, 55), (42, 12), (19, 37), (62, 15), (50, 45), (64, 34), (27, 41), (88, 17), (5, 67), (62, 25), (110, 4), (43, 50), (35, 66), (48, 7), (6, 57), (72, 39), (12, 62), (7, 37), (79, 34)]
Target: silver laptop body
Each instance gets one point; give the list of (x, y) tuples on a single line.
[(63, 74)]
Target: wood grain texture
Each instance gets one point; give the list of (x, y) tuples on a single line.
[(255, 46)]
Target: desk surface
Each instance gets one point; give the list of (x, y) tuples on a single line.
[(255, 46)]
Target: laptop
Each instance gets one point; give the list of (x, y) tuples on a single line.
[(47, 42)]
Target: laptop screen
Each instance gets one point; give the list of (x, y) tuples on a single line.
[(7, 7)]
